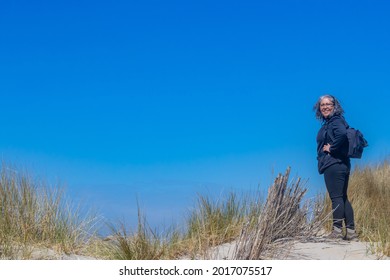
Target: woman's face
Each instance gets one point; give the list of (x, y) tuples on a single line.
[(326, 107)]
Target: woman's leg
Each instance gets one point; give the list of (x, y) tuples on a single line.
[(336, 180), (348, 210)]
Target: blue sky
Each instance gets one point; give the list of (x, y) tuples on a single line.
[(163, 99)]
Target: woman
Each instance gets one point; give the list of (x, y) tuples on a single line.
[(333, 162)]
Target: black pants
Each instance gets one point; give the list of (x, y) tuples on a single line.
[(336, 180)]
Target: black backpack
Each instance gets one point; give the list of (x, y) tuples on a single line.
[(356, 142)]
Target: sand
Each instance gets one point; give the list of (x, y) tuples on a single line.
[(315, 250), (329, 250)]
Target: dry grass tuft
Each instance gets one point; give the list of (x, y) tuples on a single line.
[(143, 243), (33, 214), (282, 219), (214, 222)]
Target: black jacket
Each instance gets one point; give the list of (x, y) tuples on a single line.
[(333, 132)]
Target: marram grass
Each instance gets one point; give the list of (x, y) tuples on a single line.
[(33, 214), (369, 191)]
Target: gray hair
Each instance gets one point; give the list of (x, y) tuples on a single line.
[(337, 110)]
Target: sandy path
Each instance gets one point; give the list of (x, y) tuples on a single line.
[(320, 250), (338, 250)]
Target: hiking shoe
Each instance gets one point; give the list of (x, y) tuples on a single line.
[(336, 234), (351, 235)]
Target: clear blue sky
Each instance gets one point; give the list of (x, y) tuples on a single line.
[(163, 99)]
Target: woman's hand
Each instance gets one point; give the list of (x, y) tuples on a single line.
[(326, 148)]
